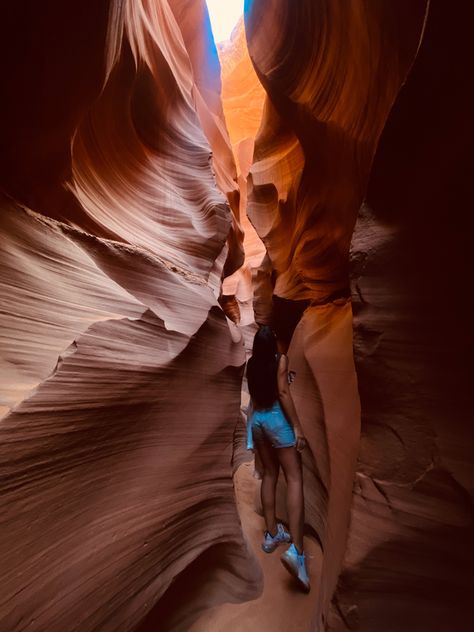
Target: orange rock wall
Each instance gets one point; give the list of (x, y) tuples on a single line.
[(116, 497), (242, 99), (332, 73)]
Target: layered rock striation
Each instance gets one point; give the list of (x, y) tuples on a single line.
[(120, 372)]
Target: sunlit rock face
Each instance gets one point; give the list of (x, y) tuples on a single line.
[(120, 374), (242, 99), (332, 71)]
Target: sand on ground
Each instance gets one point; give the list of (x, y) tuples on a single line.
[(282, 607)]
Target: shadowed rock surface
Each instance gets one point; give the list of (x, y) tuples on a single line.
[(409, 560)]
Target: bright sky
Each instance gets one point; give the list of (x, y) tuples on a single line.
[(224, 16)]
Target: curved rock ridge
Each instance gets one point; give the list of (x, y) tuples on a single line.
[(242, 98), (115, 461), (193, 19), (243, 95), (145, 173), (332, 71)]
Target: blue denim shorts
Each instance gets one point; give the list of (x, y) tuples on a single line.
[(271, 425)]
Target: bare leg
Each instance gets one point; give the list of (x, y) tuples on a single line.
[(290, 461), (269, 480)]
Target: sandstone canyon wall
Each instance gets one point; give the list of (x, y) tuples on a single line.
[(333, 74), (120, 373), (123, 197), (409, 559), (242, 99)]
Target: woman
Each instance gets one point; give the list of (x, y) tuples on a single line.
[(274, 430)]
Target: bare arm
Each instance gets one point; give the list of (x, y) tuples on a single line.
[(287, 401)]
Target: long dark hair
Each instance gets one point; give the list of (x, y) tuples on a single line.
[(262, 369)]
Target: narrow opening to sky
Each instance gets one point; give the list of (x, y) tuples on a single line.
[(224, 16)]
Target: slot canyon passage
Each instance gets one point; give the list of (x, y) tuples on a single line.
[(160, 197)]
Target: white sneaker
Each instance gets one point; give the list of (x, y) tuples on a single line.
[(270, 542), (296, 565)]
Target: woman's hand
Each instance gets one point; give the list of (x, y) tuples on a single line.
[(300, 441)]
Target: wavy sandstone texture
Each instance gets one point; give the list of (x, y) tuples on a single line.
[(120, 373), (332, 73)]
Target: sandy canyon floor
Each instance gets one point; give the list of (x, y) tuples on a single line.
[(281, 607)]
